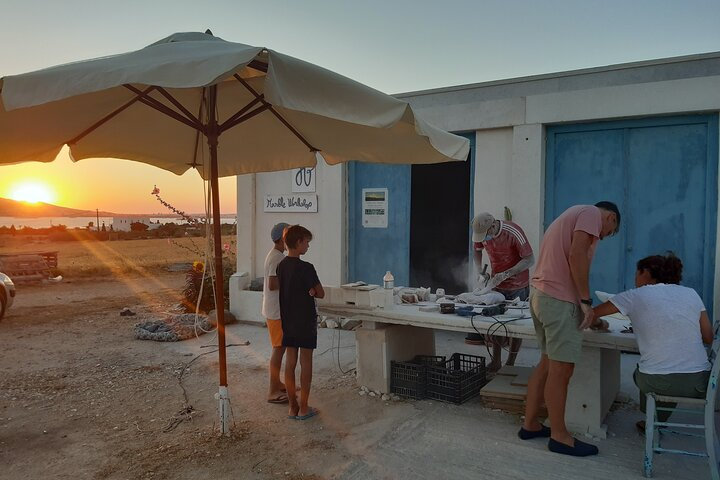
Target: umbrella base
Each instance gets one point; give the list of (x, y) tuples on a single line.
[(223, 410)]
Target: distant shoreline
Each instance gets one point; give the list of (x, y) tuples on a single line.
[(124, 215), (97, 221), (25, 210)]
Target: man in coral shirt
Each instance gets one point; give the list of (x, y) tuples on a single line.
[(561, 307), (510, 256)]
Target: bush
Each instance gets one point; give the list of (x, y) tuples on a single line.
[(191, 292), (194, 282)]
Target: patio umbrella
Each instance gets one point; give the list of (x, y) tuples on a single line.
[(193, 100)]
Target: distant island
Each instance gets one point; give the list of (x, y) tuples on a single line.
[(16, 209)]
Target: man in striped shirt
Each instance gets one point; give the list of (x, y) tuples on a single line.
[(510, 256)]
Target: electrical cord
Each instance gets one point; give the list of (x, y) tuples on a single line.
[(493, 329), (337, 348), (338, 354)]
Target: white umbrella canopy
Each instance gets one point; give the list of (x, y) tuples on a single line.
[(193, 100), (343, 119)]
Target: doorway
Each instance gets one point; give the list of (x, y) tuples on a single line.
[(440, 225), (426, 241)]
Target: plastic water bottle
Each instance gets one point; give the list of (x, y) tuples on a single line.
[(388, 280)]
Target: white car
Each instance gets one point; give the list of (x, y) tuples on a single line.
[(7, 294)]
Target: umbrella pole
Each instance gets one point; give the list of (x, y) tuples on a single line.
[(212, 138)]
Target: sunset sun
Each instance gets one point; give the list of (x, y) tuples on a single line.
[(32, 192)]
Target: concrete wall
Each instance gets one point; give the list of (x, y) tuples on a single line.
[(327, 250), (510, 132), (509, 118), (509, 171)]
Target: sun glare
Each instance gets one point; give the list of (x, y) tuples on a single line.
[(32, 192)]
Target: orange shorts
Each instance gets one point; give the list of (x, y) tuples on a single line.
[(275, 332)]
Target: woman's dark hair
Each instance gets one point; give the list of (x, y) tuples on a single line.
[(294, 234), (663, 268)]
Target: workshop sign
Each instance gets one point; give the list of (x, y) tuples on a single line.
[(291, 202)]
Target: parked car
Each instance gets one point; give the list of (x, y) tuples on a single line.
[(7, 293)]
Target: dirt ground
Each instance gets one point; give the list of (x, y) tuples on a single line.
[(104, 259), (81, 398)]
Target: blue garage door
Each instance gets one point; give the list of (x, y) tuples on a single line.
[(373, 251), (661, 172)]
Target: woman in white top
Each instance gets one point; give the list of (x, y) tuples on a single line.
[(671, 327)]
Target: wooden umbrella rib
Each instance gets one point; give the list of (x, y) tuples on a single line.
[(162, 108), (258, 65), (178, 105), (109, 116), (292, 129), (229, 123), (198, 133), (247, 116), (274, 112)]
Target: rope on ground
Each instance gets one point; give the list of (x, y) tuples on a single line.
[(186, 413)]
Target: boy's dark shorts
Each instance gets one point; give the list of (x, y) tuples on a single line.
[(300, 342), (300, 334)]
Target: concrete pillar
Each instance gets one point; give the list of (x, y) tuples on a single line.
[(527, 181), (245, 247), (378, 344), (592, 390)]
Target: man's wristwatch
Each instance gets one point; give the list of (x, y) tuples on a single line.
[(586, 301)]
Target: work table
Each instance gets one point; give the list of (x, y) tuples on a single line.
[(399, 332)]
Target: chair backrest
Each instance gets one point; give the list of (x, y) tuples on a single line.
[(715, 361), (715, 347), (711, 394)]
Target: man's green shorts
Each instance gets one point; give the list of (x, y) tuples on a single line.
[(556, 327)]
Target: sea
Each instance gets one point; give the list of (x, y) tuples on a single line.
[(82, 222)]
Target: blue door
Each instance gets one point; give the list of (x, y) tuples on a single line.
[(662, 173), (373, 251)]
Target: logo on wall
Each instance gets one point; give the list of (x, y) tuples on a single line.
[(303, 179)]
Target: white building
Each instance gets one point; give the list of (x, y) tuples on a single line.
[(643, 135), (122, 224)]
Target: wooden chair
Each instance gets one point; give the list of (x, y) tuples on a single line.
[(702, 408)]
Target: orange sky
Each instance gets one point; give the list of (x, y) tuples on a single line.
[(112, 185)]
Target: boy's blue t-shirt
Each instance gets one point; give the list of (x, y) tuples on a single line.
[(297, 307)]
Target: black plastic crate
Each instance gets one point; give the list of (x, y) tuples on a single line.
[(460, 378), (409, 379), (434, 360)]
